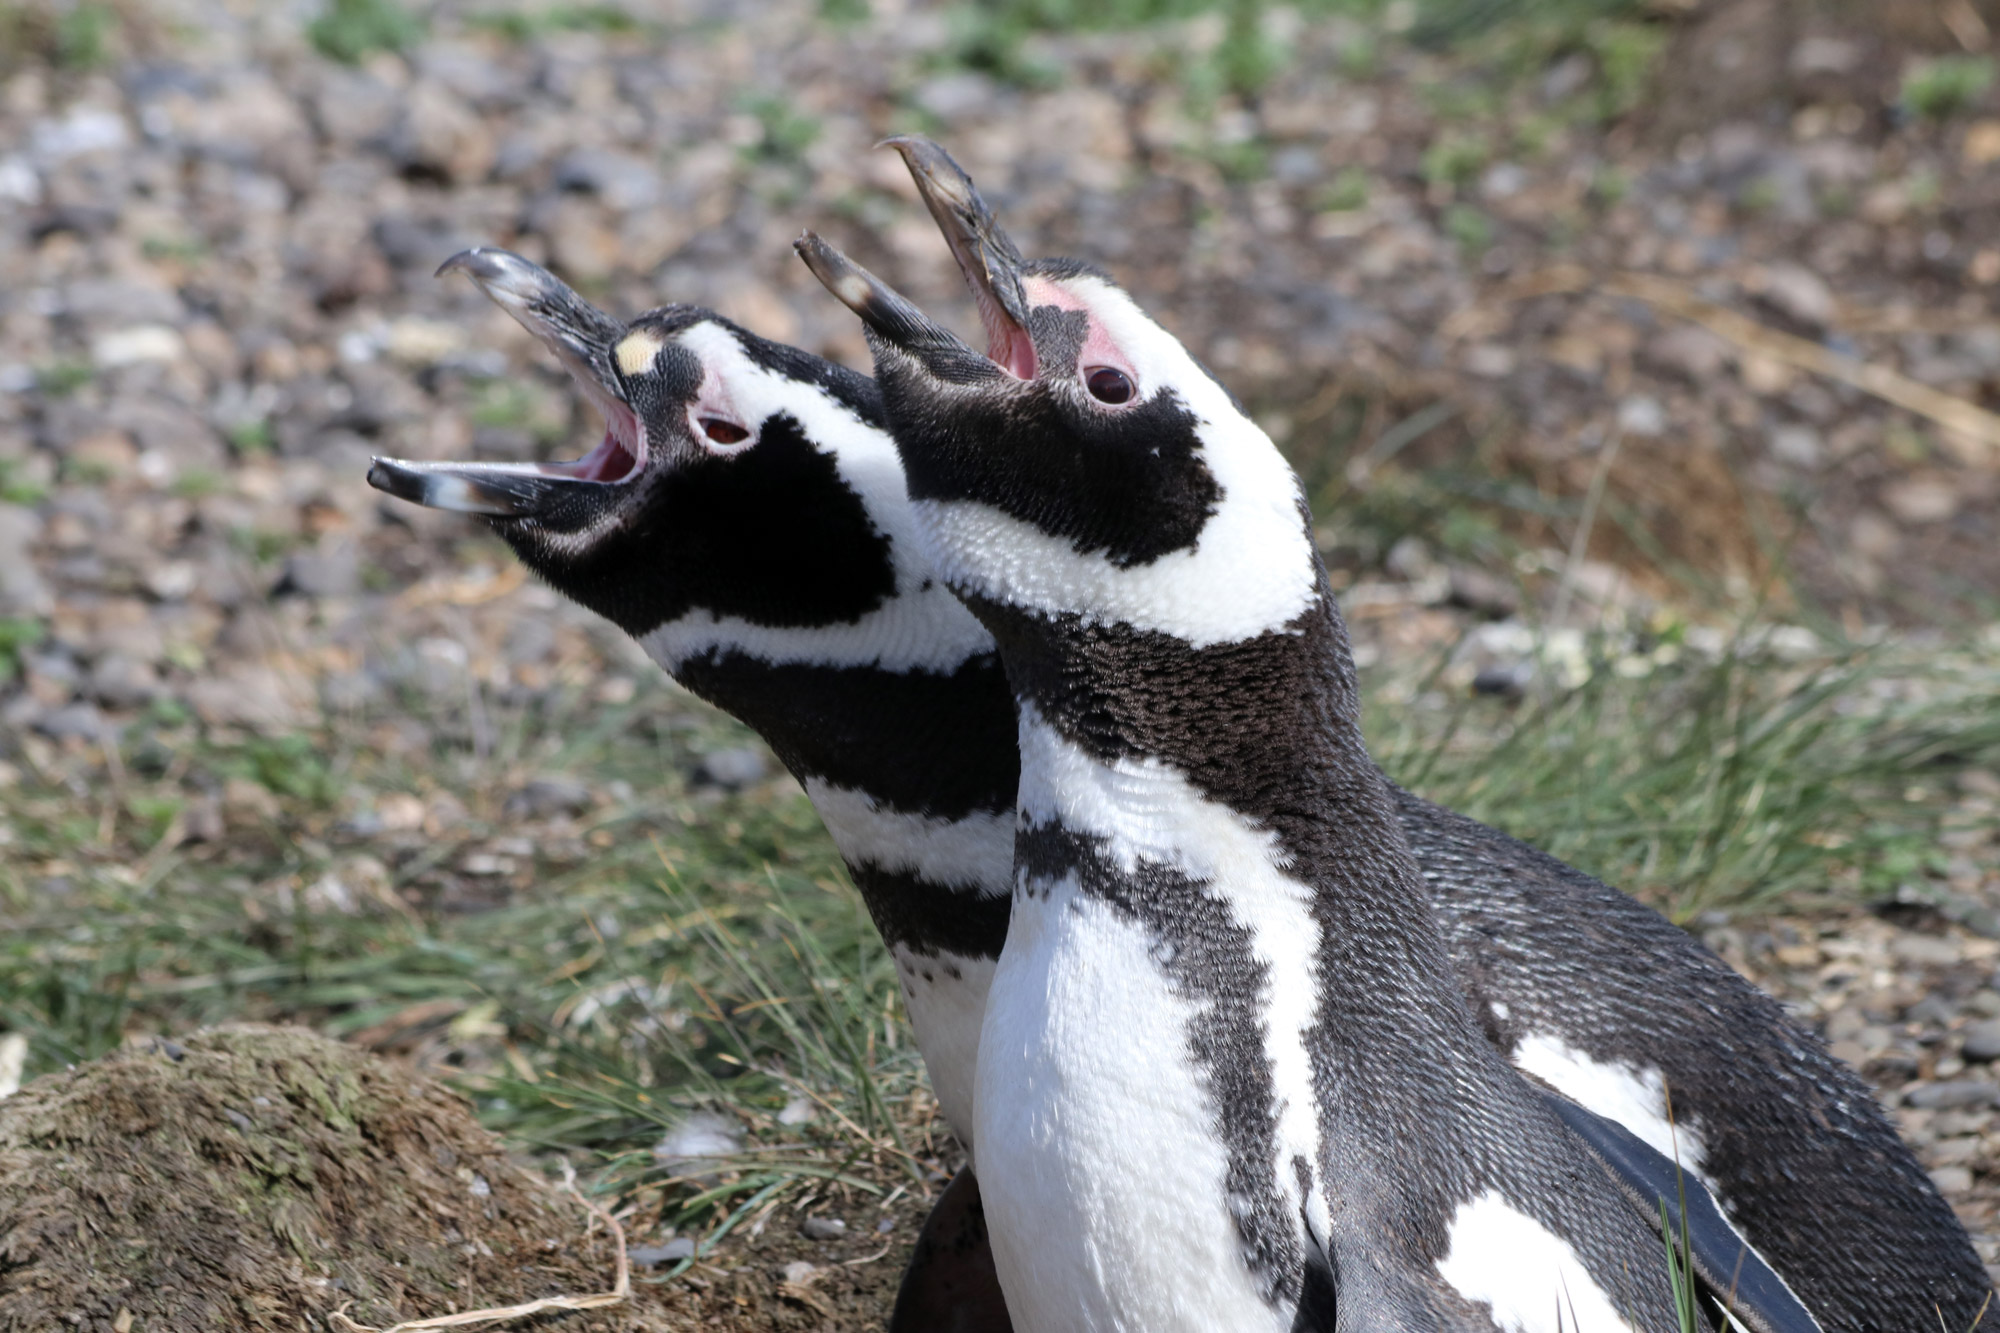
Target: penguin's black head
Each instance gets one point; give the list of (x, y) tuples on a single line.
[(1086, 462), (730, 479)]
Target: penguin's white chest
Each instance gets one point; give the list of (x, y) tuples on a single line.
[(945, 994), (1099, 1160)]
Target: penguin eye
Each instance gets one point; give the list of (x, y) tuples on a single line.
[(1108, 385), (723, 432)]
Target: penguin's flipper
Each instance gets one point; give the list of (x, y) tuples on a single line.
[(1727, 1271), (951, 1285)]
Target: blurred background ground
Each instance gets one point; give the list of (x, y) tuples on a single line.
[(1639, 359)]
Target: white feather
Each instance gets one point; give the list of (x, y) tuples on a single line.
[(945, 994), (1633, 1097), (974, 853), (1532, 1279)]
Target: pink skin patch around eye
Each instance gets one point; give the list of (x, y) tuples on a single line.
[(712, 400), (1098, 349)]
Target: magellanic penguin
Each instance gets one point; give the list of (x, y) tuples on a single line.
[(1226, 1079), (1078, 505), (881, 729), (743, 519)]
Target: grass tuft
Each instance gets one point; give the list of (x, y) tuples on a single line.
[(349, 30)]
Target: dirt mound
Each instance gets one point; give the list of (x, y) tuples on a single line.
[(262, 1178)]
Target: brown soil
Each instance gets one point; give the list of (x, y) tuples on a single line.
[(264, 1178)]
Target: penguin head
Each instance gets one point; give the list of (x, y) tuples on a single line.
[(1086, 462), (736, 477)]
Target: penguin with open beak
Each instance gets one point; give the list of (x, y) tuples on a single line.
[(1126, 534), (895, 715)]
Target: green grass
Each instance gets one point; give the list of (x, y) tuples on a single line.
[(1729, 782), (348, 30), (523, 26), (1942, 88), (688, 951)]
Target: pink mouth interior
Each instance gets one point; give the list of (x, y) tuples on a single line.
[(618, 457), (1007, 343)]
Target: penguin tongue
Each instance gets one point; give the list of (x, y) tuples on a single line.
[(987, 257)]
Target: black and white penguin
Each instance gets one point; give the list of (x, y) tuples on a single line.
[(1226, 1078), (743, 519), (901, 725), (1112, 515)]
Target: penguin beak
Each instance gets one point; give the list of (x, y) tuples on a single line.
[(582, 338), (890, 316), (988, 258)]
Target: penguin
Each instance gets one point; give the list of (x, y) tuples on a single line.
[(900, 724), (743, 519), (1226, 1077), (1585, 989)]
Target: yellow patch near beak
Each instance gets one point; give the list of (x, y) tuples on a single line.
[(635, 352)]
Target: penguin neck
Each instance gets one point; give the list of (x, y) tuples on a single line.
[(1266, 729)]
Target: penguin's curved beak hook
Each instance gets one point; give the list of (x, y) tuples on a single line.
[(584, 339), (986, 255)]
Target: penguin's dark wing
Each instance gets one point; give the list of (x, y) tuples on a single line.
[(1726, 1269)]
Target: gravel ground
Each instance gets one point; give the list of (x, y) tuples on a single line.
[(216, 304)]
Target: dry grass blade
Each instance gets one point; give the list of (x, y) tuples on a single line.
[(620, 1292), (1891, 386)]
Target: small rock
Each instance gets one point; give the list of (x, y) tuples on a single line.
[(671, 1252), (1799, 446), (1957, 1093), (1952, 1180), (733, 769), (441, 134), (1982, 1040), (334, 570), (797, 1111), (1489, 361), (1920, 500), (623, 182), (85, 130), (1642, 416), (1490, 595), (1504, 679), (171, 580), (142, 342), (118, 681), (545, 798), (1691, 352), (823, 1228), (798, 1271), (1932, 1010), (1926, 950), (79, 720), (1799, 293), (1825, 55)]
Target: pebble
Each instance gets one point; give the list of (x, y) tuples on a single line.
[(733, 769), (668, 1252), (1982, 1040), (546, 797), (1957, 1093), (823, 1228)]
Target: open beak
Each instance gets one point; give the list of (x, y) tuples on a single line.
[(582, 338), (989, 260)]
